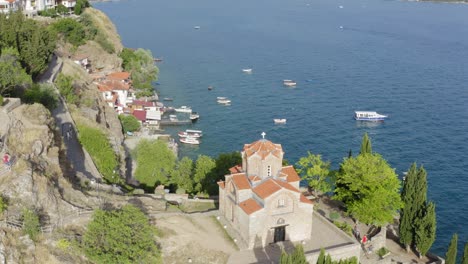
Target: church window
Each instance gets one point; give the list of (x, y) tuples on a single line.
[(280, 221), (281, 202), (269, 171)]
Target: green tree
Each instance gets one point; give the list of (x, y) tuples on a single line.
[(120, 236), (425, 231), (465, 254), (182, 175), (61, 9), (298, 256), (141, 65), (369, 188), (203, 168), (451, 255), (155, 162), (65, 85), (366, 145), (321, 258), (316, 172), (31, 224), (285, 258), (129, 123), (224, 162), (3, 205), (12, 75), (408, 212), (41, 93), (72, 31)]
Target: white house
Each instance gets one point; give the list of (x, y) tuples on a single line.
[(7, 6), (82, 60), (31, 7), (116, 94), (67, 3)]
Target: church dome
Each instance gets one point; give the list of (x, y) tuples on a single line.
[(263, 148)]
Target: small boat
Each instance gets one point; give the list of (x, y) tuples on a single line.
[(289, 82), (224, 101), (247, 70), (184, 134), (368, 116), (221, 98), (168, 99), (173, 118), (184, 109), (210, 88), (196, 27), (193, 131), (189, 140), (279, 121), (194, 116), (157, 59)]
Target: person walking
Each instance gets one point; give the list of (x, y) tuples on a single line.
[(7, 160)]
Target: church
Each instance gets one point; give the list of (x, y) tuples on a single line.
[(261, 198)]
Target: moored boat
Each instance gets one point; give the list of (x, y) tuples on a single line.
[(194, 116), (289, 82), (224, 101), (279, 121), (189, 140), (247, 70), (184, 109), (191, 133), (368, 116)]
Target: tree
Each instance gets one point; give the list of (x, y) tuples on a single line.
[(31, 224), (366, 145), (3, 205), (285, 258), (465, 254), (203, 168), (321, 258), (66, 89), (451, 255), (224, 162), (369, 188), (298, 256), (120, 236), (141, 65), (316, 172), (129, 123), (41, 93), (425, 231), (155, 162), (182, 175), (61, 9), (12, 75), (408, 212)]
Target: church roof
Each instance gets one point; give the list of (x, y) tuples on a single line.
[(235, 169), (263, 148), (250, 206), (241, 182), (305, 200), (291, 172), (271, 186), (221, 184)]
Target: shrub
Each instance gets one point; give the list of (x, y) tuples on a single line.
[(1, 100), (31, 225), (98, 146), (65, 86), (334, 216), (382, 251), (61, 9), (72, 30), (3, 205), (41, 93), (48, 13), (129, 123), (345, 227)]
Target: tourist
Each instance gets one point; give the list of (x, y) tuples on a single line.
[(6, 160)]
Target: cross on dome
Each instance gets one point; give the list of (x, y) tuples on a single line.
[(263, 135)]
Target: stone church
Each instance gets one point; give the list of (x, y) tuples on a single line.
[(261, 199)]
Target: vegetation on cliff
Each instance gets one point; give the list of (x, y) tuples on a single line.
[(140, 63)]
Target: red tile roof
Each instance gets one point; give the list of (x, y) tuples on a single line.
[(291, 172), (114, 85), (143, 103), (235, 169), (221, 184), (140, 115), (119, 76), (104, 87), (250, 206), (271, 186), (305, 200), (254, 178), (263, 148), (241, 182)]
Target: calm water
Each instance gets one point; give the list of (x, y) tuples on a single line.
[(404, 59)]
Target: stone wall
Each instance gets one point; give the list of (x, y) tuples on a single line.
[(336, 252)]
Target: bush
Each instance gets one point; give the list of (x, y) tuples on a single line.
[(65, 86), (129, 123), (3, 205), (48, 13), (105, 44), (334, 216), (382, 251), (72, 30), (31, 224), (1, 100), (43, 94), (61, 9), (98, 146), (347, 228)]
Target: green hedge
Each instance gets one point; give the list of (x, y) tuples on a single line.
[(98, 146)]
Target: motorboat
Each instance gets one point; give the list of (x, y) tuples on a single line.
[(279, 121), (184, 134), (184, 109), (193, 131), (247, 70), (194, 116), (196, 27), (189, 140), (173, 118), (224, 101), (368, 116), (221, 98), (289, 82), (210, 88), (168, 99)]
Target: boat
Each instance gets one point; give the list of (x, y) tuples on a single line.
[(289, 82), (210, 88), (279, 121), (173, 118), (368, 116), (247, 70), (221, 98), (157, 59), (196, 27), (193, 131), (224, 101), (168, 99), (189, 140), (194, 116), (184, 109), (184, 134)]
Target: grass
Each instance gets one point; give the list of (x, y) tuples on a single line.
[(225, 233), (192, 206)]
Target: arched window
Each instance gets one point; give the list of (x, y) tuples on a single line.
[(280, 221), (269, 171)]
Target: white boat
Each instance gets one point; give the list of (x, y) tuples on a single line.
[(368, 116), (194, 116), (224, 101), (289, 82), (279, 121), (193, 131), (173, 118), (184, 134), (184, 109), (221, 98), (189, 140), (247, 70), (196, 27)]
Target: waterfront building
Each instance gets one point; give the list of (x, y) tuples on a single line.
[(7, 6), (31, 7), (261, 200)]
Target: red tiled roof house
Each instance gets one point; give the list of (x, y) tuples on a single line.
[(261, 200)]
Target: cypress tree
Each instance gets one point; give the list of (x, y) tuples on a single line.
[(425, 230), (420, 197), (285, 258), (298, 257), (407, 213), (451, 255), (321, 258), (366, 145), (465, 254)]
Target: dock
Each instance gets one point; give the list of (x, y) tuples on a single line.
[(167, 122)]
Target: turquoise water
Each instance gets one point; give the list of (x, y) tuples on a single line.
[(404, 59)]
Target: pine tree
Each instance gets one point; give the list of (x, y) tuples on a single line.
[(298, 256), (321, 258), (465, 254), (425, 230), (407, 214), (366, 145), (451, 255), (285, 258)]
